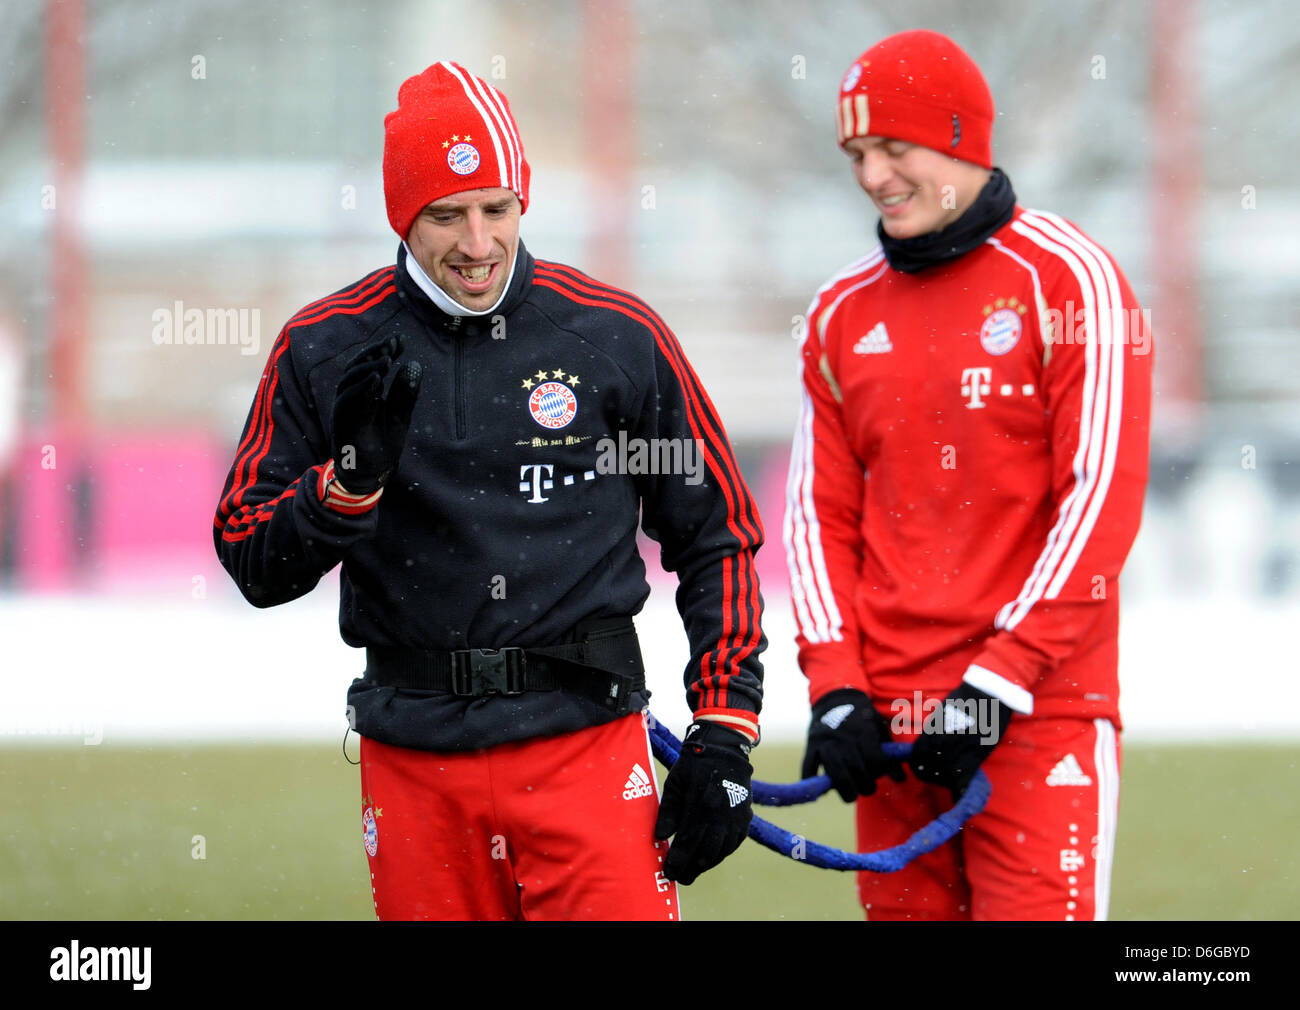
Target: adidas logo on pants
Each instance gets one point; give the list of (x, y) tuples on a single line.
[(637, 785)]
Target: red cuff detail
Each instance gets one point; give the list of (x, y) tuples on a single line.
[(1007, 689), (743, 722), (1011, 659), (333, 496)]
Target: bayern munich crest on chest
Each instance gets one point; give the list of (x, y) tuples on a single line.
[(463, 159), (552, 405), (1002, 325)]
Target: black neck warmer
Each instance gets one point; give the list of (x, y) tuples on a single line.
[(990, 211)]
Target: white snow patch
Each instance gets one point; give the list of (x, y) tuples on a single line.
[(148, 667)]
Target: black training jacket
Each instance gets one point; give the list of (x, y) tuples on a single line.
[(501, 525)]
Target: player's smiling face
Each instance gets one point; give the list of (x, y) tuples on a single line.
[(917, 189), (466, 243)]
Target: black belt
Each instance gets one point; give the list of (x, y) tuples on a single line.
[(602, 663)]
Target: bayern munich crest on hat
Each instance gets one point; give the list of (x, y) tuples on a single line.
[(851, 77), (463, 159), (553, 405), (1001, 331)]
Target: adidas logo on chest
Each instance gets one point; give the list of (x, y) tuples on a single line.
[(874, 341)]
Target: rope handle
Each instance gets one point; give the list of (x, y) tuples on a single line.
[(667, 748)]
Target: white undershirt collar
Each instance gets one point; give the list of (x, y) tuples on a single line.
[(443, 300)]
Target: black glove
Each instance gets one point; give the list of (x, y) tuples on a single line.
[(707, 803), (845, 738), (957, 737), (369, 428)]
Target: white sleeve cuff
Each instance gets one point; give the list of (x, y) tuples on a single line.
[(1012, 695)]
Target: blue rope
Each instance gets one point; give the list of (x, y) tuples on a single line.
[(667, 748)]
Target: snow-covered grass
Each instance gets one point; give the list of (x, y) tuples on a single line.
[(151, 666)]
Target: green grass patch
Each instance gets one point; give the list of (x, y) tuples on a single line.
[(1205, 832)]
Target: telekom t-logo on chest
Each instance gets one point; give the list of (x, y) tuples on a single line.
[(977, 383), (974, 385)]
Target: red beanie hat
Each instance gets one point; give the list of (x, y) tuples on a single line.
[(451, 132), (921, 87)]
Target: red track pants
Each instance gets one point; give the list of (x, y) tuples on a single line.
[(554, 828), (1041, 849)]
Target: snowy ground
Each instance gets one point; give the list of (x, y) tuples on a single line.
[(150, 667)]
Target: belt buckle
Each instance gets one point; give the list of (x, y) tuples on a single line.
[(477, 673)]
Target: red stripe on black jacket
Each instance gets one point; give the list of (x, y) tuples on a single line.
[(723, 676)]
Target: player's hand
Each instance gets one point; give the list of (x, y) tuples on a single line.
[(956, 738), (369, 428), (707, 801), (846, 737)]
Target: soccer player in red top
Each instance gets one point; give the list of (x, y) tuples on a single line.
[(966, 482)]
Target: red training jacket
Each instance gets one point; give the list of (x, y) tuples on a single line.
[(968, 473)]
